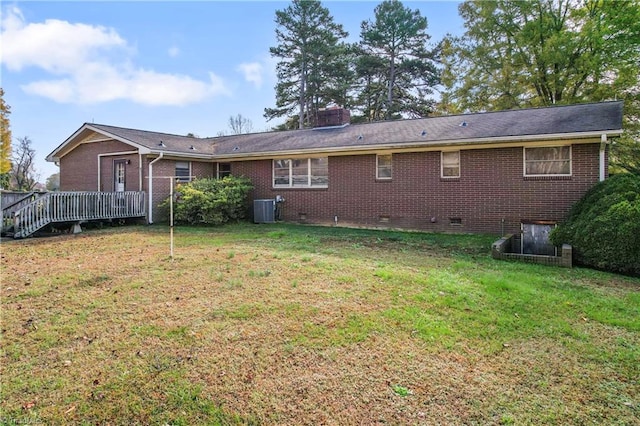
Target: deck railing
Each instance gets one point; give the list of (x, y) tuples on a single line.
[(11, 202), (77, 207)]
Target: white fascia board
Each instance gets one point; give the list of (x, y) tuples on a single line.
[(52, 156)]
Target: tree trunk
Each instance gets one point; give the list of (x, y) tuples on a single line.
[(301, 101), (392, 77)]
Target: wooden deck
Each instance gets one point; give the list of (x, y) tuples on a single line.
[(29, 215)]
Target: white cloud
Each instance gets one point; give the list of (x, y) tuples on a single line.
[(252, 72), (92, 65), (60, 90), (55, 46), (140, 86), (149, 87), (173, 51)]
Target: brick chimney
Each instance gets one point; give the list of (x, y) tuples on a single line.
[(333, 116)]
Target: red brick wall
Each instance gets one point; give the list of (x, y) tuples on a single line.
[(79, 168), (490, 190)]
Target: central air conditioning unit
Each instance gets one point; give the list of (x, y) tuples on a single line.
[(264, 211)]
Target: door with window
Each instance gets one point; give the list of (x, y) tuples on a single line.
[(119, 175)]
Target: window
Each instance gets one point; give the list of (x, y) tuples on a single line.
[(281, 172), (301, 173), (547, 161), (319, 171), (383, 166), (183, 171), (450, 164), (224, 170)]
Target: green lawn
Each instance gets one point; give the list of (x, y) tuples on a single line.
[(283, 324)]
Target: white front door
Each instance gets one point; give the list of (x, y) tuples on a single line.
[(119, 175)]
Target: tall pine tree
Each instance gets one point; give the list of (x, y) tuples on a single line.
[(397, 71), (370, 90), (312, 72)]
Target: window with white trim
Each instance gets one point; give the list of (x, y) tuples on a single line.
[(384, 166), (301, 173), (547, 161), (450, 161), (183, 171)]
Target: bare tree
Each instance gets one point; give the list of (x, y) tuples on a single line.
[(240, 124), (23, 172)]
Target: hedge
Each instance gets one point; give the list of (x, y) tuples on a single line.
[(211, 201), (604, 226)]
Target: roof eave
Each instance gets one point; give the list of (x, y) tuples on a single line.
[(481, 142), (54, 157), (180, 154)]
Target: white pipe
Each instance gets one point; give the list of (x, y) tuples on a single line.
[(151, 187), (603, 144), (110, 154), (139, 171)]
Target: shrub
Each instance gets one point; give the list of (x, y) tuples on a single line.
[(211, 201), (604, 226)]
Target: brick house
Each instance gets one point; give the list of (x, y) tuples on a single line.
[(486, 172)]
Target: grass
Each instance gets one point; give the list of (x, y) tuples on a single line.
[(261, 324)]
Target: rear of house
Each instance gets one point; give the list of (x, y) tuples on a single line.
[(486, 190), (487, 172)]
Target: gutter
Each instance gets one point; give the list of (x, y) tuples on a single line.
[(150, 217), (178, 154)]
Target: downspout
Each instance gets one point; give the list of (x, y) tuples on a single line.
[(151, 187), (139, 171), (603, 146)]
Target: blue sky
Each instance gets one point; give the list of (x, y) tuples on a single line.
[(174, 67)]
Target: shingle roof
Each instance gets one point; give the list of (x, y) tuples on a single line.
[(595, 117), (454, 129), (157, 141)]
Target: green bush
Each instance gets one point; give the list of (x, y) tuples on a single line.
[(211, 201), (604, 226)]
